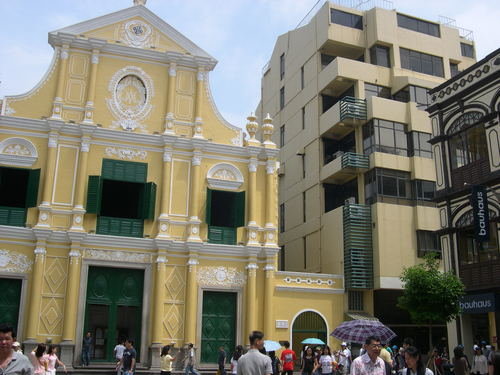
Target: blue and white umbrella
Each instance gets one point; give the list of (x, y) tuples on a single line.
[(271, 346), (313, 341)]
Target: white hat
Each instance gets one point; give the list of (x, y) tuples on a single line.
[(16, 343), (476, 347), (343, 344)]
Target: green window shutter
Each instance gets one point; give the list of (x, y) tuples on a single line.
[(208, 211), (148, 201), (229, 236), (32, 188), (119, 170), (94, 192), (239, 210), (215, 234)]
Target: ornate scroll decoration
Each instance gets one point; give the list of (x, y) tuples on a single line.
[(308, 281), (118, 256), (126, 153), (221, 276), (18, 151), (131, 91), (137, 33), (11, 261), (224, 176)]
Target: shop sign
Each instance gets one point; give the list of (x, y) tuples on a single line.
[(480, 211), (477, 303)]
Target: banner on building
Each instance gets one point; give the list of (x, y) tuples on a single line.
[(477, 303), (481, 213)]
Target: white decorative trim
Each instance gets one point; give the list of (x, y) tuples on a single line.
[(192, 262), (95, 60), (75, 253), (167, 156), (8, 110), (196, 160), (125, 14), (64, 54), (270, 267), (252, 166), (252, 266), (126, 153), (308, 281), (172, 70), (200, 76), (53, 138), (221, 276), (130, 119), (308, 290), (18, 152), (224, 176), (118, 256), (85, 146), (11, 261), (271, 166), (161, 259), (137, 33)]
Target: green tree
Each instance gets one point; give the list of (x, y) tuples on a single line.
[(430, 295)]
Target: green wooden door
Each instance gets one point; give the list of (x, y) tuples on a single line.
[(10, 299), (218, 326), (113, 308)]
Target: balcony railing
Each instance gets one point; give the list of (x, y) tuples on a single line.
[(358, 251), (352, 108), (14, 216), (116, 226), (354, 160)]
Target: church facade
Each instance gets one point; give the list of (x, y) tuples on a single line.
[(130, 208)]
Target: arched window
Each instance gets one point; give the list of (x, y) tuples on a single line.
[(467, 142), (308, 324)]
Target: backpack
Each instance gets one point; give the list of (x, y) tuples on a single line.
[(276, 365)]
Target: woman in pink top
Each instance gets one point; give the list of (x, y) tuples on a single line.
[(38, 360), (52, 360)]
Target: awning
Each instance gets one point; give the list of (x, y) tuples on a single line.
[(359, 316)]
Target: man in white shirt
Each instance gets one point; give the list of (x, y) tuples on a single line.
[(369, 363), (344, 358), (118, 351)]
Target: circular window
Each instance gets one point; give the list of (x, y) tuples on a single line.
[(131, 94)]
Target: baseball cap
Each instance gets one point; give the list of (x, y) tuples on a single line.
[(343, 344), (16, 344), (475, 347)]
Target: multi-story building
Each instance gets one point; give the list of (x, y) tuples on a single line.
[(465, 113), (348, 92), (130, 208)]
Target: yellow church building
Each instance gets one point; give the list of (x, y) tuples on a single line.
[(130, 208)]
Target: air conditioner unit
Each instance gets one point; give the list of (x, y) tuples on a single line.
[(281, 169)]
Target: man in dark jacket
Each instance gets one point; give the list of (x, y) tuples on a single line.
[(221, 360)]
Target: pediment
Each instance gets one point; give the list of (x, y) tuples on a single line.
[(136, 27)]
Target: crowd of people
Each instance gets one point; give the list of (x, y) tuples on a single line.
[(375, 358)]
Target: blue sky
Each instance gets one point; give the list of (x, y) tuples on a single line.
[(240, 34)]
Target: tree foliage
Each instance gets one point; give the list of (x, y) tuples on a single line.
[(430, 295)]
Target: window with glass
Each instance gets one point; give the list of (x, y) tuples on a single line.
[(471, 251), (467, 50), (427, 242), (302, 83), (385, 136), (336, 195), (454, 69), (355, 300), (282, 217), (282, 98), (282, 135), (346, 19), (424, 190), (387, 183), (282, 66), (379, 55), (421, 62), (334, 148), (468, 146), (418, 25), (303, 117), (376, 90), (419, 144), (414, 94), (326, 59)]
